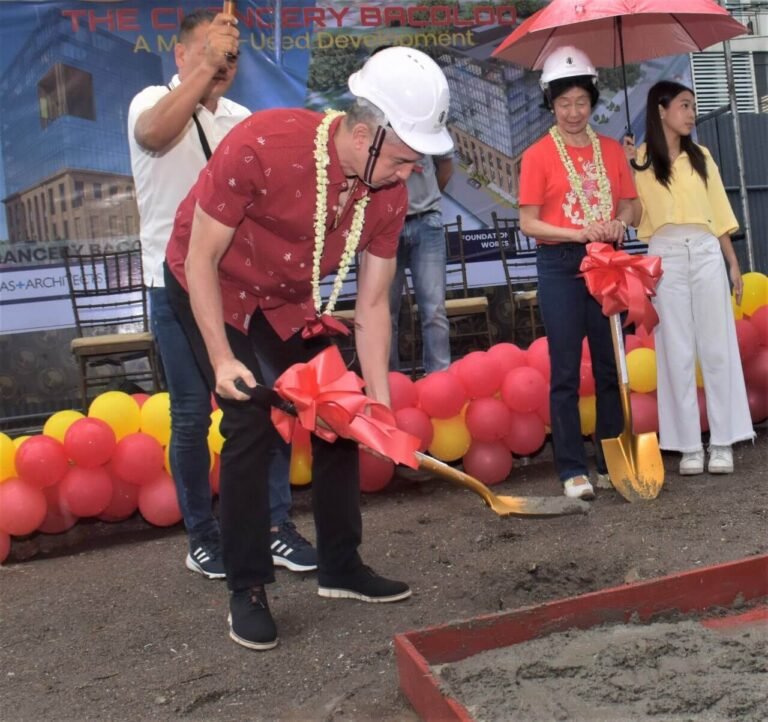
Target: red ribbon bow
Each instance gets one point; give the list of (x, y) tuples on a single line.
[(325, 325), (620, 282), (330, 403)]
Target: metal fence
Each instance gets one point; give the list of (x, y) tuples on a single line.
[(715, 131)]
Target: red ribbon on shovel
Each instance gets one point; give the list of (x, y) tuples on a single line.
[(620, 282), (324, 390)]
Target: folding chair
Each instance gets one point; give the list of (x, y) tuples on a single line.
[(114, 345), (468, 314), (518, 259)]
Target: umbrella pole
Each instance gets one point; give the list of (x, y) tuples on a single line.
[(624, 74)]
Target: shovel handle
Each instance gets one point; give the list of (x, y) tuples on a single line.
[(620, 357)]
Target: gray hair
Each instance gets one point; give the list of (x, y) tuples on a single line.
[(363, 111)]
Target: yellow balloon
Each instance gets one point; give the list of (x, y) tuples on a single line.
[(451, 439), (119, 410), (641, 366), (755, 292), (156, 417), (738, 314), (215, 439), (587, 414), (57, 424), (7, 456)]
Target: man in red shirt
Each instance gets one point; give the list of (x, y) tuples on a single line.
[(288, 197)]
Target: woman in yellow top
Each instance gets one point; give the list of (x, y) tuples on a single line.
[(687, 221)]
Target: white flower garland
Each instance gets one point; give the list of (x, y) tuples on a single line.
[(322, 159), (605, 198)]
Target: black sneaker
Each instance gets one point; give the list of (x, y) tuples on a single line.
[(205, 558), (291, 550), (363, 584), (250, 621)]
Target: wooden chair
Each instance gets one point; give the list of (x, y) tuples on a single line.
[(467, 312), (114, 344), (518, 258)]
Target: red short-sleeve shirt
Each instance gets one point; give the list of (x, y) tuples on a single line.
[(544, 180), (261, 181)]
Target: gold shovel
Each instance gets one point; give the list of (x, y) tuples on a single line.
[(634, 460), (501, 505)]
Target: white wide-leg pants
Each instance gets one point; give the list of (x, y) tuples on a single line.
[(696, 321)]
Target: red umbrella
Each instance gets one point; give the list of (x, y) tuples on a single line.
[(613, 32)]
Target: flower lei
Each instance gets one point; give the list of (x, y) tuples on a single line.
[(322, 159), (605, 199)]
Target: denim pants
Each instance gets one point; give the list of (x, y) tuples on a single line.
[(422, 249), (249, 438), (693, 300), (190, 396), (570, 313)]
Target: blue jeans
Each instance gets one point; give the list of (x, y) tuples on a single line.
[(190, 396), (570, 313), (422, 249)]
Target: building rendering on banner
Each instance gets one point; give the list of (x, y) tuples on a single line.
[(64, 146), (496, 111)]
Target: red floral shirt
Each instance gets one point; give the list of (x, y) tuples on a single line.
[(261, 182)]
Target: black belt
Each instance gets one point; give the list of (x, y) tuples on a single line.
[(412, 216)]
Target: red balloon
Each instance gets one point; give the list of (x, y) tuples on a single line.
[(158, 502), (86, 491), (402, 392), (140, 398), (138, 458), (124, 501), (5, 546), (89, 442), (759, 320), (748, 338), (58, 518), (526, 434), (375, 472), (508, 355), (488, 461), (214, 477), (755, 372), (41, 460), (488, 419), (645, 413), (524, 389), (441, 395), (538, 357), (22, 507), (480, 374), (631, 342), (758, 404), (586, 380), (544, 412), (703, 418), (416, 422)]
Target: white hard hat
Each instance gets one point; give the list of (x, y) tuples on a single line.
[(412, 92), (566, 62)]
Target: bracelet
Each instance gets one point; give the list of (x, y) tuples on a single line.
[(623, 224)]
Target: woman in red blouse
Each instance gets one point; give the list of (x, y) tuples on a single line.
[(575, 187)]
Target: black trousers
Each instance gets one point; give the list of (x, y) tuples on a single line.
[(245, 457)]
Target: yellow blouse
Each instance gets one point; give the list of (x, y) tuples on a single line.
[(687, 200)]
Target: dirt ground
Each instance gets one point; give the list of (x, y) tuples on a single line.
[(105, 623)]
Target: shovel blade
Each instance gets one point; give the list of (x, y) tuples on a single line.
[(635, 465)]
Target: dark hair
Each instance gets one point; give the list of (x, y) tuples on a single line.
[(657, 152), (562, 85), (191, 21)]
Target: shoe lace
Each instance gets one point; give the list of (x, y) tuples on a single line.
[(289, 534), (258, 597), (719, 453)]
